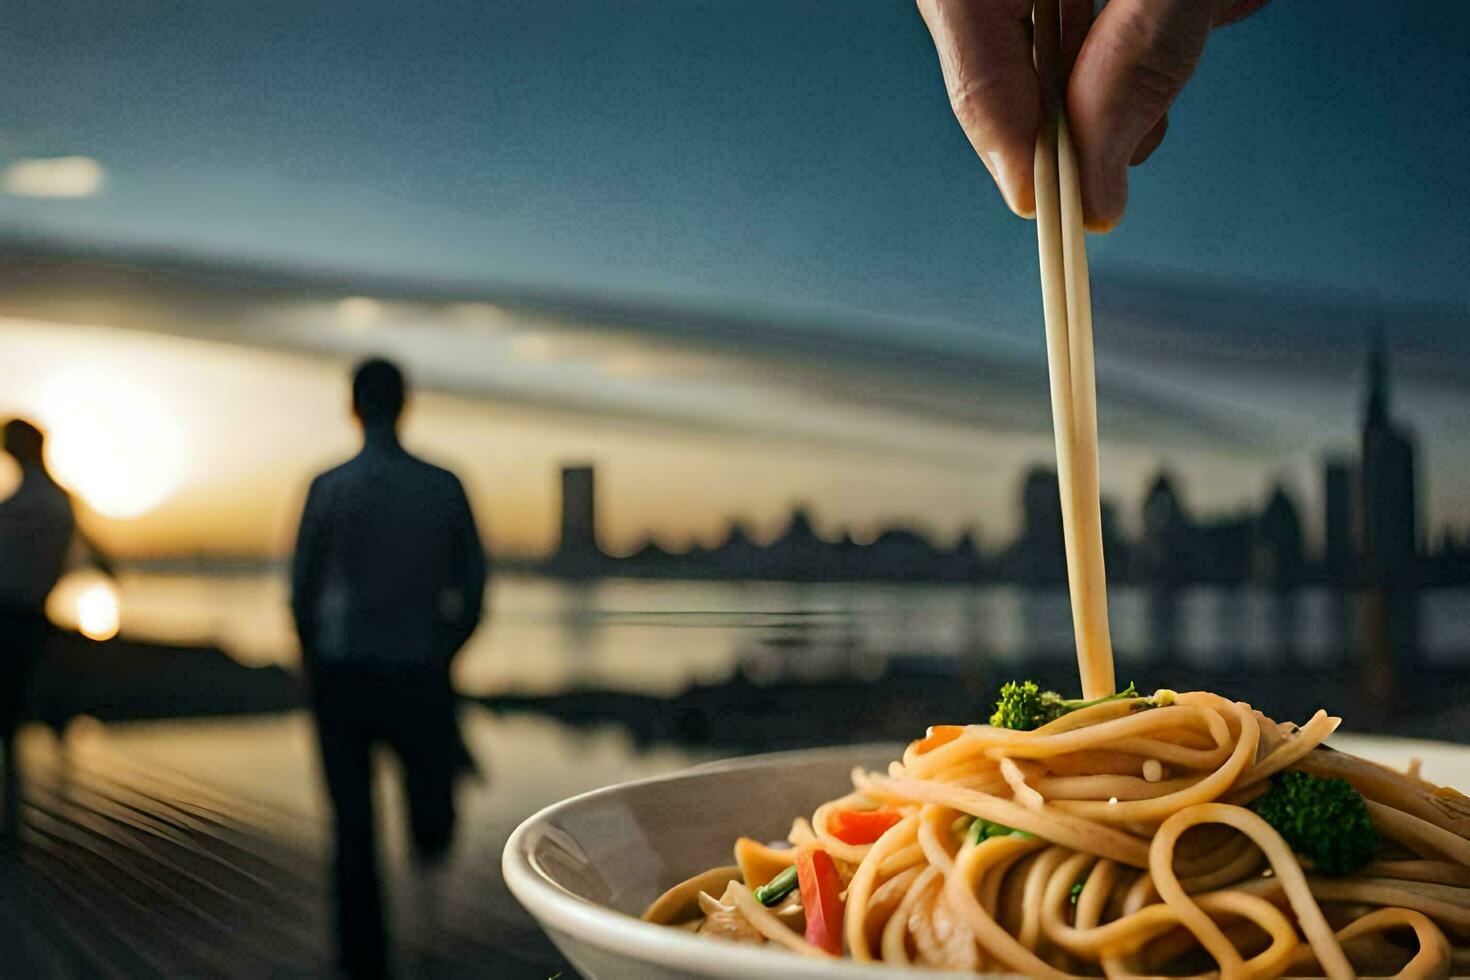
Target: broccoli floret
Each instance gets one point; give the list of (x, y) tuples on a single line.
[(1023, 705), (1322, 819)]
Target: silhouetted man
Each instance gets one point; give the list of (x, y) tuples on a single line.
[(387, 584), (36, 530)]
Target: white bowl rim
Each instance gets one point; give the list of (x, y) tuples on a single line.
[(640, 941), (617, 932)]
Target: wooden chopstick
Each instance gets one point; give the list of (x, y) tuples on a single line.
[(1067, 308)]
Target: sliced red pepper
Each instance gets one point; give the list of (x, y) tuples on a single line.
[(861, 826), (821, 898), (938, 735)]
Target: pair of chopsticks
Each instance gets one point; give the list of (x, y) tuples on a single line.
[(1067, 306)]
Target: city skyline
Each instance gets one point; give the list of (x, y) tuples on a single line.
[(1370, 532), (955, 477)]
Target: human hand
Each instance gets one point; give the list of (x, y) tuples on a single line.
[(1126, 67)]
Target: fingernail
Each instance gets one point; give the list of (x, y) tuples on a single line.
[(1105, 191), (1015, 185), (989, 160)]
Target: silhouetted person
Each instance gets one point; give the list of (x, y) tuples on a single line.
[(387, 584), (36, 530)]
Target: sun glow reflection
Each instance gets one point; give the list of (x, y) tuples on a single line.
[(111, 443), (88, 602), (97, 611)]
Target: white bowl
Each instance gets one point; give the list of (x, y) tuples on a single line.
[(587, 867)]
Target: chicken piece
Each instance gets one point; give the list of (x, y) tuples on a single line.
[(723, 921), (940, 938)]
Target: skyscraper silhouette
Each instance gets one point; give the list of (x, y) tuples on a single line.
[(1277, 548), (1389, 520), (1389, 529), (1039, 555), (578, 552), (1163, 554)]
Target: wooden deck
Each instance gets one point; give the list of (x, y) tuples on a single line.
[(125, 869)]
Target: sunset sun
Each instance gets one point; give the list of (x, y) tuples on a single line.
[(111, 443)]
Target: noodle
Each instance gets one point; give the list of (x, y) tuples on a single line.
[(1283, 863), (888, 899), (1135, 883), (1420, 836), (894, 943), (860, 888), (771, 927), (974, 862), (1432, 958)]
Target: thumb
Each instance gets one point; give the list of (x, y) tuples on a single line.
[(1135, 60)]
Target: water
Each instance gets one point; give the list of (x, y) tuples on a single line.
[(659, 637)]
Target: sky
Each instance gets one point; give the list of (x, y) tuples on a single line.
[(791, 167)]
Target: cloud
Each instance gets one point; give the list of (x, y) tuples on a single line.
[(54, 177)]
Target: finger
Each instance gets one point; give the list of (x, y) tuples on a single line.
[(1135, 60), (1150, 142), (985, 53), (1076, 17), (1234, 10)]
